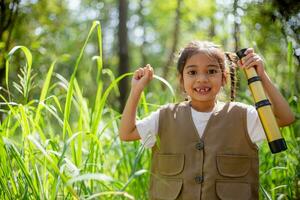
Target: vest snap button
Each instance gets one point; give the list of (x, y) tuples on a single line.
[(200, 145), (199, 179)]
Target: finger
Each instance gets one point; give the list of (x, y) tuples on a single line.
[(151, 73), (239, 63), (249, 50), (148, 67), (136, 75), (256, 61), (252, 61), (146, 72), (141, 72), (249, 58), (248, 61)]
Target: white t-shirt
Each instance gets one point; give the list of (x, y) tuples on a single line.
[(148, 127)]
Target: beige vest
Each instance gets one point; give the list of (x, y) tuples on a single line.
[(222, 164)]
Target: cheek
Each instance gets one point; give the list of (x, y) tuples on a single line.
[(185, 83)]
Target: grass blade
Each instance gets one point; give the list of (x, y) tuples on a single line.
[(28, 57), (44, 92)]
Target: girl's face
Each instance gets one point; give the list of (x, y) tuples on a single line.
[(202, 79)]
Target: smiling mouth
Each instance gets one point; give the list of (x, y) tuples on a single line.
[(204, 90)]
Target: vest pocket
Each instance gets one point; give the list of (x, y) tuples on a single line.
[(233, 190), (233, 165), (165, 188), (170, 164)]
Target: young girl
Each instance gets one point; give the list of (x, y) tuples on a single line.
[(206, 148)]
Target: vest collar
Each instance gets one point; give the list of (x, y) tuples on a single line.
[(219, 106)]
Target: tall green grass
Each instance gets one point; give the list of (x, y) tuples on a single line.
[(280, 173), (48, 152), (58, 146)]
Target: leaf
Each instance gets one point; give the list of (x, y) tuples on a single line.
[(71, 84), (44, 92), (28, 57), (167, 84), (90, 176)]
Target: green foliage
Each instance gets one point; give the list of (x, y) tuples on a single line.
[(83, 164), (59, 128)]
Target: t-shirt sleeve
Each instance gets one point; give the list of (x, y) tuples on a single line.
[(254, 126), (148, 128)]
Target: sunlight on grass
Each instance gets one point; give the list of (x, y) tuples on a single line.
[(59, 146)]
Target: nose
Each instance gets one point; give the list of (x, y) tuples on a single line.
[(202, 77)]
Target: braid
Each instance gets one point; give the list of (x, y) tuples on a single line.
[(231, 61)]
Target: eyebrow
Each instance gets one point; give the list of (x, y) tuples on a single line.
[(213, 65), (210, 65), (191, 66)]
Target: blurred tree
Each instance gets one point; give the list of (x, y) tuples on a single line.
[(144, 36), (176, 31), (154, 32), (289, 14), (151, 31), (8, 16), (236, 33), (264, 28), (123, 51)]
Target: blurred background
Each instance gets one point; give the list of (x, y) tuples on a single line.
[(137, 32), (134, 33)]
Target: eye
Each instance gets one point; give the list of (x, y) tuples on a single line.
[(212, 71), (192, 72)]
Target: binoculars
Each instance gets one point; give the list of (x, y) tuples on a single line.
[(263, 107)]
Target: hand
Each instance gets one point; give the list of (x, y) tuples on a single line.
[(142, 77), (252, 60)]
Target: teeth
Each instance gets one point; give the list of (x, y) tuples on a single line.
[(202, 89)]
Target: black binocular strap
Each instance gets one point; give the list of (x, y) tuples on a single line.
[(253, 79), (262, 103)]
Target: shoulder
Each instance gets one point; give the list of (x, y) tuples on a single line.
[(173, 110), (174, 106), (237, 108), (245, 108), (241, 106)]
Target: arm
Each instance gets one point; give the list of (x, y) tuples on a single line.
[(140, 80), (280, 106)]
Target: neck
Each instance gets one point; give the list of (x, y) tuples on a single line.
[(206, 106)]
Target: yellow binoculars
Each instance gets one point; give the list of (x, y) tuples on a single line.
[(263, 107)]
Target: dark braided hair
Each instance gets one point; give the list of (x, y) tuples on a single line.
[(232, 59)]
